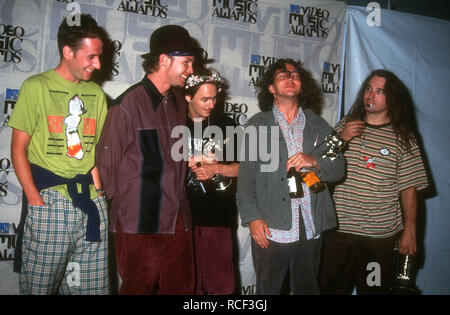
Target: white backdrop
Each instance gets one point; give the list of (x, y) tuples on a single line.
[(242, 36), (417, 49)]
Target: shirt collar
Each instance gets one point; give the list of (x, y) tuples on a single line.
[(298, 120), (155, 96)]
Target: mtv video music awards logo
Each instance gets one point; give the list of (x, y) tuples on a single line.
[(8, 234), (236, 10), (5, 167), (117, 46), (309, 21), (236, 111), (256, 68), (145, 7), (10, 194), (10, 102), (330, 77), (5, 227), (11, 38)]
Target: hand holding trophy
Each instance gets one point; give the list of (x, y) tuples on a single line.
[(404, 282), (215, 182)]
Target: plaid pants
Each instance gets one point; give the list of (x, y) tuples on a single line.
[(57, 259)]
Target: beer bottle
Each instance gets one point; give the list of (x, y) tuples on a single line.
[(294, 183)]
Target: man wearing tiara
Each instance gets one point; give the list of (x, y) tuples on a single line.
[(210, 185)]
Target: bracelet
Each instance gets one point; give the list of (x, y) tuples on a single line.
[(100, 192)]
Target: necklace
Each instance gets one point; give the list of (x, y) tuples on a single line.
[(164, 100), (369, 160), (200, 120)]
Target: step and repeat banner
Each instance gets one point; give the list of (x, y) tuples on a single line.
[(240, 36)]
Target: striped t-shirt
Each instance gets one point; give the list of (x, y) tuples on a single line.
[(378, 169)]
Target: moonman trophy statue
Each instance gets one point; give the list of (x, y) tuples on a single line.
[(404, 281), (210, 147)]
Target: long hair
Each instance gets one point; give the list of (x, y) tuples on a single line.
[(400, 106), (310, 97)]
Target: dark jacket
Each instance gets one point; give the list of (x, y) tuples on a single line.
[(264, 195)]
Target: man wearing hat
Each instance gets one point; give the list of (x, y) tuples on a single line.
[(150, 214)]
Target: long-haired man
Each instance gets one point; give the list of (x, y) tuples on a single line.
[(376, 204)]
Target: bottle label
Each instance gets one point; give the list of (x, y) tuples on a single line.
[(292, 184), (310, 179)]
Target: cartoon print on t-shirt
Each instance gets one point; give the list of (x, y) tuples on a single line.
[(76, 109)]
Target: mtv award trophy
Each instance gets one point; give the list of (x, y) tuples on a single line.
[(217, 182), (404, 283), (335, 146)]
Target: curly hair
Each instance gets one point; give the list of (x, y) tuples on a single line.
[(73, 36), (310, 97), (400, 106)]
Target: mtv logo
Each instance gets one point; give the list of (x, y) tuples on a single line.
[(11, 94), (326, 66), (295, 8), (4, 228), (255, 59)]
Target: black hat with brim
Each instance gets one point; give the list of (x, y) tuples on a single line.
[(173, 40)]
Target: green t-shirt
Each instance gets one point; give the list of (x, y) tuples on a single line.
[(64, 120)]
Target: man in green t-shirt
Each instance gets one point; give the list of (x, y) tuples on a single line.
[(57, 120)]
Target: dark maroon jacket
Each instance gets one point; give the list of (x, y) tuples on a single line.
[(145, 185)]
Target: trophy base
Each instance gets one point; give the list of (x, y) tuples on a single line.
[(221, 183), (403, 290)]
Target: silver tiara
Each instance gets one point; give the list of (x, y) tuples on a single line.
[(194, 80)]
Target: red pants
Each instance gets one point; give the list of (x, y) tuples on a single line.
[(214, 260), (156, 263)]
